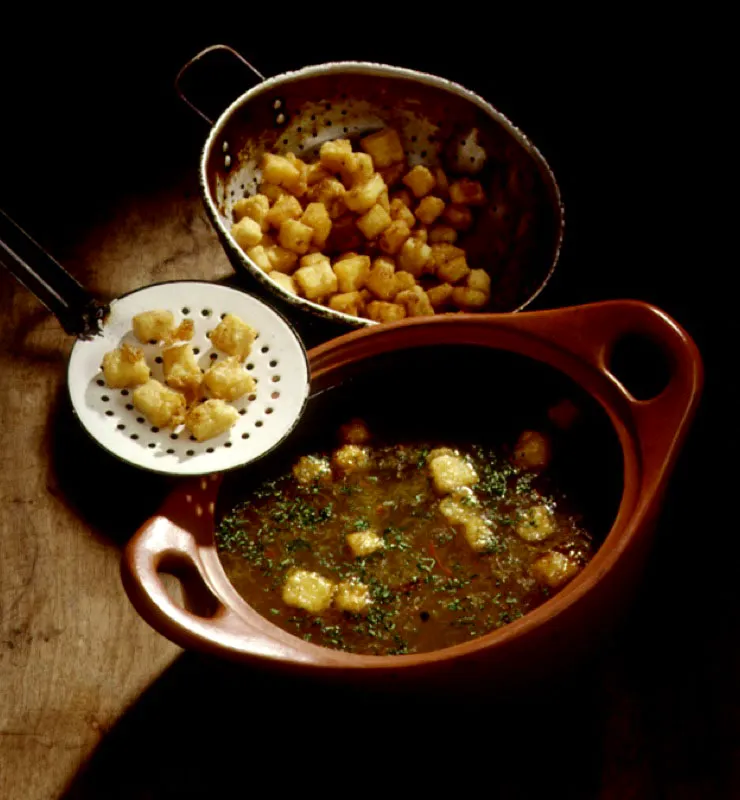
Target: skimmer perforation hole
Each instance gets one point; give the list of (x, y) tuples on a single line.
[(259, 423), (275, 395), (252, 397), (275, 378), (100, 382), (273, 363)]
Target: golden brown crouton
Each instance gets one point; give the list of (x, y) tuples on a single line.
[(307, 590), (352, 272), (420, 180), (394, 236), (384, 147), (348, 303), (451, 472), (364, 543), (233, 336), (163, 407), (364, 196), (531, 451), (210, 419), (440, 296), (554, 570), (373, 222), (284, 281), (415, 301), (295, 236), (352, 596), (467, 192), (317, 280), (153, 326), (255, 207), (125, 368), (414, 256), (247, 233), (317, 217), (380, 279), (181, 370), (228, 380), (351, 458), (468, 299), (380, 311), (535, 524), (285, 207), (453, 270), (310, 469), (429, 209)]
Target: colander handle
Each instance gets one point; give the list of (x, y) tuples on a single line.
[(213, 86), (78, 312), (591, 332)]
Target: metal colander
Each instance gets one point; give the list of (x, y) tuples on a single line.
[(516, 236)]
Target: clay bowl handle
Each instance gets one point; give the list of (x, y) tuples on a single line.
[(171, 541), (591, 333)]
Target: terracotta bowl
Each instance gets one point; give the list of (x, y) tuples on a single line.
[(471, 374)]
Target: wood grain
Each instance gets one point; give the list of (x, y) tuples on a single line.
[(73, 653)]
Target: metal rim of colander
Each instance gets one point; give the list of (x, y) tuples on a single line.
[(235, 462), (369, 68)]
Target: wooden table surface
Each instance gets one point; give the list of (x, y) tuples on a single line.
[(94, 704)]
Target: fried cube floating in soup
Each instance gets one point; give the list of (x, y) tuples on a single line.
[(388, 548)]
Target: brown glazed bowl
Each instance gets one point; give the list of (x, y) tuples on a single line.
[(473, 364)]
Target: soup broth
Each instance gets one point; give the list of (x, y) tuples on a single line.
[(426, 568)]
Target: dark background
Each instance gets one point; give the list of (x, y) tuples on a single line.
[(626, 112)]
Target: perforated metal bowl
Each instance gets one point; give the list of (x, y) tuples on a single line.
[(516, 236)]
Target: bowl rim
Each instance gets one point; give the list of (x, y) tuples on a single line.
[(623, 529), (369, 68), (574, 341)]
